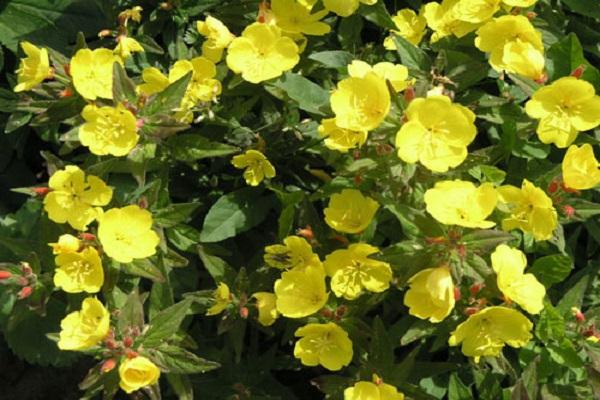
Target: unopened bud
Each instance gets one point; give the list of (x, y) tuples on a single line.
[(542, 79), (104, 33), (25, 292), (130, 354), (110, 344), (358, 179), (578, 72), (143, 202), (88, 237), (108, 365), (41, 191), (327, 313), (127, 341), (67, 69), (139, 123), (244, 312), (553, 187), (568, 210), (578, 314), (461, 249), (307, 233), (531, 15), (356, 155), (341, 311), (456, 294), (342, 239), (383, 149), (409, 94), (471, 310), (66, 92), (22, 281), (476, 288), (5, 275)]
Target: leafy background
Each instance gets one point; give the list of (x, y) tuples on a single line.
[(218, 227)]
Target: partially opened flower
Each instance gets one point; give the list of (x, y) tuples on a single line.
[(108, 130), (257, 166), (345, 8), (486, 332), (33, 69), (376, 390), (66, 244), (396, 74), (350, 211), (221, 299), (323, 344), (294, 17), (154, 81), (341, 139), (443, 19), (218, 37), (127, 45), (294, 253), (267, 309), (92, 72), (431, 294), (136, 373), (79, 271), (301, 292), (409, 25), (202, 87), (580, 168), (81, 330), (476, 11)]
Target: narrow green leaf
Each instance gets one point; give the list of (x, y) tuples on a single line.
[(193, 147), (123, 87), (457, 390), (165, 324), (309, 96), (333, 58), (552, 269), (176, 360), (169, 99), (412, 56)]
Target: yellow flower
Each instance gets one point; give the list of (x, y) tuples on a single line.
[(410, 26), (519, 3), (74, 197), (134, 13), (512, 42), (443, 20), (361, 103), (295, 253), (486, 332), (66, 244), (294, 17), (564, 108), (340, 139), (217, 37), (108, 130), (262, 53), (33, 69), (530, 208), (154, 81), (524, 289), (222, 298), (83, 329), (351, 270), (431, 294), (437, 133), (461, 203), (324, 344), (397, 74), (79, 272), (126, 233), (580, 168), (301, 293), (127, 45), (476, 11), (202, 86), (376, 390), (267, 310), (350, 211), (135, 373), (257, 166), (345, 8), (92, 72)]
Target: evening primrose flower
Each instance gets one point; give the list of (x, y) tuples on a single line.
[(376, 390), (431, 294), (524, 289), (267, 310), (519, 3), (126, 233), (580, 168), (409, 25), (257, 166), (345, 8), (127, 45), (202, 87), (92, 72), (396, 74), (476, 11), (79, 272), (324, 344), (351, 270), (154, 81), (83, 329), (350, 211), (108, 130), (530, 210), (486, 332), (136, 373), (217, 35), (262, 53), (461, 203), (75, 198), (33, 69), (222, 298), (565, 107), (294, 253), (443, 20), (340, 139), (66, 244), (436, 134), (293, 17), (301, 292), (361, 103)]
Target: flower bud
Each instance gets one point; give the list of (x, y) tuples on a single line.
[(25, 292), (307, 233), (88, 237), (476, 288), (409, 94), (5, 275), (457, 294), (66, 92), (568, 210), (127, 341), (244, 312), (553, 187), (41, 191), (108, 365), (578, 314), (578, 72)]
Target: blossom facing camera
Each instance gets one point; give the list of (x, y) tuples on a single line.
[(436, 134), (202, 87), (351, 270), (294, 253), (409, 25), (217, 38), (92, 72), (462, 203), (262, 53), (350, 211), (75, 198), (267, 309), (108, 130), (565, 107), (33, 69), (301, 293), (126, 234), (136, 373), (221, 299), (431, 294), (323, 344), (83, 329), (340, 139), (257, 166), (486, 332), (580, 168), (79, 271)]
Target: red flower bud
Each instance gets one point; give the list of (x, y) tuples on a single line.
[(409, 94), (553, 187), (22, 281), (244, 312), (542, 79), (25, 292), (461, 249), (128, 341), (531, 15), (306, 233), (108, 365), (456, 293), (568, 210), (578, 72), (131, 354), (327, 313), (358, 179), (356, 154), (476, 288), (110, 343), (67, 68), (471, 310), (5, 275), (139, 123), (27, 271), (66, 92), (341, 310), (41, 191), (88, 237)]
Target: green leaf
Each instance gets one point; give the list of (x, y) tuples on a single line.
[(176, 360), (333, 58), (412, 56), (234, 213), (527, 386), (584, 7), (169, 99), (193, 147), (181, 385), (174, 214), (216, 267), (565, 56), (565, 354), (132, 313), (485, 240), (574, 296), (123, 87), (417, 330), (457, 390), (551, 325), (488, 173), (143, 267), (17, 120), (377, 14), (165, 324), (552, 269), (415, 223), (309, 96)]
